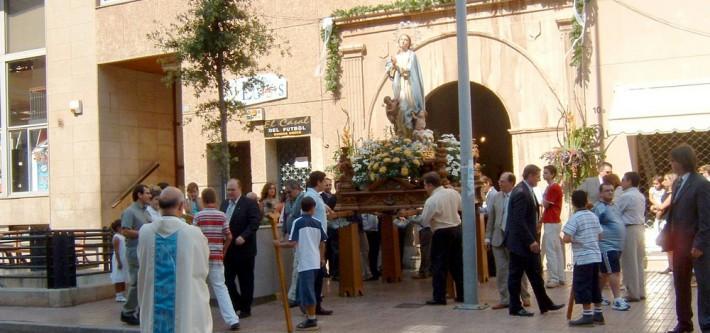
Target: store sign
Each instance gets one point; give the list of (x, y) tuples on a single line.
[(259, 89), (255, 114), (276, 128)]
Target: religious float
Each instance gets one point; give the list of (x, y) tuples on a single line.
[(383, 177)]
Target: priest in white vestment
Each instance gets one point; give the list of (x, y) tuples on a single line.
[(172, 278)]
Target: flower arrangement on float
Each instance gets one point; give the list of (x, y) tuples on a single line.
[(389, 158), (453, 156), (394, 157)]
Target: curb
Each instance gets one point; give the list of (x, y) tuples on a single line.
[(32, 327)]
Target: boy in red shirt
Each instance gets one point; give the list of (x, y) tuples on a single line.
[(215, 227), (551, 241)]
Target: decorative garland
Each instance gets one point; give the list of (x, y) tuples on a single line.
[(333, 71)]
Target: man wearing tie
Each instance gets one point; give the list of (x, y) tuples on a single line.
[(495, 230), (243, 216), (687, 234), (591, 184), (521, 240)]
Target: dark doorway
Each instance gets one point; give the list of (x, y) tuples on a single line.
[(490, 124), (239, 166)]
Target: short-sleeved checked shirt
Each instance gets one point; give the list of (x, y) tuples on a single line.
[(584, 229)]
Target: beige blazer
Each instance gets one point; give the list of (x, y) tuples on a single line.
[(494, 228)]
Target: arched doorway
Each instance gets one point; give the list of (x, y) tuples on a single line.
[(490, 124)]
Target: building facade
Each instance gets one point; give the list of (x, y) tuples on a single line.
[(85, 114)]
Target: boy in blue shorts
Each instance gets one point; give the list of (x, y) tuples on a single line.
[(583, 231), (308, 237)]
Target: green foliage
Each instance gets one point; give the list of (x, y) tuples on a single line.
[(213, 40), (333, 71), (577, 31)]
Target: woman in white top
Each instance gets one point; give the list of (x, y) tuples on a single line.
[(119, 270)]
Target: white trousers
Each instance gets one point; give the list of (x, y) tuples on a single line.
[(552, 247), (215, 278)]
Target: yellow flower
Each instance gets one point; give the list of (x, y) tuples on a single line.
[(396, 160), (372, 177), (404, 171), (387, 160), (397, 150), (407, 153), (383, 169), (407, 141), (416, 162), (375, 166)]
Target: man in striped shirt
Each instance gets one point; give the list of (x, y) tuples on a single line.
[(583, 230), (215, 227)]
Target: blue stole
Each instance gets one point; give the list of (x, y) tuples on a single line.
[(164, 283)]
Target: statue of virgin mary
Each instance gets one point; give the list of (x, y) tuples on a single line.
[(403, 69)]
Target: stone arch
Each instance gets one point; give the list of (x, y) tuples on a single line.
[(519, 51)]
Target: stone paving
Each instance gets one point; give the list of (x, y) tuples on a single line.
[(393, 308)]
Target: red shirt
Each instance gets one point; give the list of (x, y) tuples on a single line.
[(215, 226), (553, 194)]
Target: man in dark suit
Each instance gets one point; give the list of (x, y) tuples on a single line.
[(243, 216), (521, 240), (687, 234)]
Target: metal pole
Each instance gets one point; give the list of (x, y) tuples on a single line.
[(470, 276)]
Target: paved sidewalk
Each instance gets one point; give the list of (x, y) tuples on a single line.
[(384, 308)]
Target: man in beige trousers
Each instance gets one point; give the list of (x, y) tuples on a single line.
[(495, 230), (632, 206)]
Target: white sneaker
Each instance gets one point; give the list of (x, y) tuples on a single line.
[(121, 298), (605, 301), (620, 306), (552, 284)]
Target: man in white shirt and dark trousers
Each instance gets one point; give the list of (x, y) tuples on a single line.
[(441, 212), (632, 206)]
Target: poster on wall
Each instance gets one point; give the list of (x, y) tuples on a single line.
[(276, 128), (259, 89)]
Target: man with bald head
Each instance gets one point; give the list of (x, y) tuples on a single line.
[(172, 278), (495, 232), (243, 216)]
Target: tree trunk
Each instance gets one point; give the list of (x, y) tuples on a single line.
[(224, 157)]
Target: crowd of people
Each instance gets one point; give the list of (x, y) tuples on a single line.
[(163, 266)]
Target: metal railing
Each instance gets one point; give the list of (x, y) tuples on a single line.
[(58, 256)]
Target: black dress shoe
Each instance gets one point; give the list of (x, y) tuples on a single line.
[(323, 312), (234, 327), (130, 319), (244, 314), (435, 302), (522, 313), (553, 307)]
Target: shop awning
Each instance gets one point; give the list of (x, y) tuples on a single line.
[(681, 107)]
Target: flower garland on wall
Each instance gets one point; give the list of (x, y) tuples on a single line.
[(334, 58)]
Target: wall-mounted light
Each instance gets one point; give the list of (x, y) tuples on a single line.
[(75, 107), (483, 139)]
